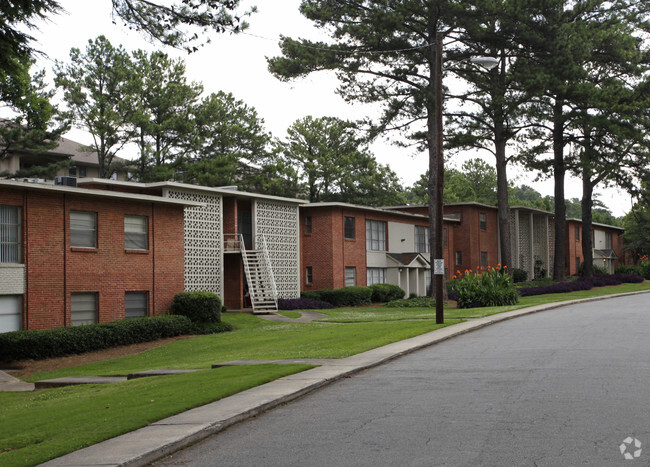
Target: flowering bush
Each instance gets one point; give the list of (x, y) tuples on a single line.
[(486, 287)]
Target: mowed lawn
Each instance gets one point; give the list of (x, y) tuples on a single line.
[(42, 425)]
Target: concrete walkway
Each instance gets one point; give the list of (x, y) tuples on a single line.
[(9, 383), (174, 433)]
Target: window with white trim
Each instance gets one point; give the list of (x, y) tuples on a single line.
[(83, 308), (421, 239), (376, 235), (309, 275), (307, 225), (459, 258), (83, 229), (136, 233), (136, 304), (350, 276), (482, 220), (10, 234), (375, 276)]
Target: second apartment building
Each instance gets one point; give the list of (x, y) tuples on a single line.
[(344, 245)]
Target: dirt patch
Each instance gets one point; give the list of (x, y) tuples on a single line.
[(25, 368)]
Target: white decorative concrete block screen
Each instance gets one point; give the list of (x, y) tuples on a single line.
[(203, 242), (278, 222)]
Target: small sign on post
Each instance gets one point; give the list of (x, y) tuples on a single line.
[(439, 267)]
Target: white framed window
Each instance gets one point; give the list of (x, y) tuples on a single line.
[(83, 308), (484, 259), (83, 229), (307, 225), (309, 277), (136, 304), (421, 239), (459, 258), (350, 276), (376, 235), (375, 276), (136, 233), (10, 234)]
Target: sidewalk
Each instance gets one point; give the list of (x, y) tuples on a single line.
[(174, 433)]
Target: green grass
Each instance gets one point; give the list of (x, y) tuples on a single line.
[(45, 424), (42, 425), (290, 314)]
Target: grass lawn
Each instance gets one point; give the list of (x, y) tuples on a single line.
[(45, 424), (41, 425)]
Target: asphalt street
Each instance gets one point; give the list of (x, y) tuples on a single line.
[(559, 388)]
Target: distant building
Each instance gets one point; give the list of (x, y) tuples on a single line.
[(345, 244), (83, 161)]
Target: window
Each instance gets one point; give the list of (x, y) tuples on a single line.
[(459, 258), (83, 229), (482, 217), (309, 278), (608, 240), (484, 259), (136, 233), (375, 276), (83, 308), (136, 304), (577, 233), (421, 239), (376, 235), (444, 238), (10, 234), (350, 276), (307, 225), (349, 228)]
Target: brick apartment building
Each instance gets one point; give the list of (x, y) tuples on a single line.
[(344, 244), (223, 234), (70, 256), (476, 239)]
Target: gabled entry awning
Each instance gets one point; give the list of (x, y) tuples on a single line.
[(408, 260)]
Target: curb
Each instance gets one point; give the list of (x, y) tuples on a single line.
[(171, 434)]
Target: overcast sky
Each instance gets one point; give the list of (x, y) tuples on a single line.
[(237, 64)]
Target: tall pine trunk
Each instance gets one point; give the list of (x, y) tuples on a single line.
[(559, 170)]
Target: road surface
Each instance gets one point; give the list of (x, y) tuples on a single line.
[(559, 388)]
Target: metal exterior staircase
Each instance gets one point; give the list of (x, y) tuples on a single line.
[(261, 284)]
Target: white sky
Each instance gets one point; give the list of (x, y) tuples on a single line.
[(237, 64)]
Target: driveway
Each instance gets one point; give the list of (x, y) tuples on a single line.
[(564, 387)]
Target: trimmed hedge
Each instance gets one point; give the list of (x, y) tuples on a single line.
[(642, 269), (199, 307), (303, 304), (37, 344), (386, 292), (519, 275), (347, 296)]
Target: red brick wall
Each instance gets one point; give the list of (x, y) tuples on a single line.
[(318, 249), (470, 240), (54, 270), (573, 247)]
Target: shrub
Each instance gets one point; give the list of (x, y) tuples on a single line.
[(347, 296), (199, 307), (519, 275), (486, 288), (629, 278), (558, 287), (303, 304), (386, 292), (629, 269), (37, 345), (413, 302)]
